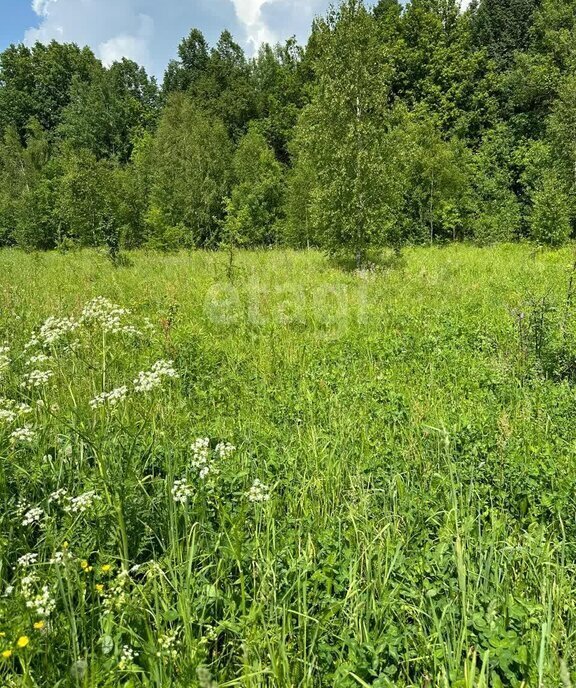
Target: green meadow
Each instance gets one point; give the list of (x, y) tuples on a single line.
[(279, 473)]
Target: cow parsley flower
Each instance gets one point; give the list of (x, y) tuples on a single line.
[(4, 358), (224, 450), (82, 503), (33, 516), (53, 330), (38, 359), (28, 559), (101, 311), (36, 378), (200, 452), (25, 435), (57, 496), (61, 557), (7, 416), (127, 658), (10, 410), (205, 460), (258, 492), (42, 602), (151, 379), (181, 491), (112, 398)]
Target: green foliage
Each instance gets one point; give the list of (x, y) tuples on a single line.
[(405, 122), (343, 135), (135, 183), (186, 73), (562, 131), (503, 27), (413, 430), (190, 177), (495, 213), (438, 67), (254, 207), (87, 198), (437, 181), (301, 181), (280, 83), (220, 79), (104, 115), (550, 215), (36, 83)]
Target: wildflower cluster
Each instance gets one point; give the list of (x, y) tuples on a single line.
[(81, 503), (41, 600), (24, 435), (33, 517), (52, 331), (61, 556), (4, 358), (127, 658), (28, 559), (37, 360), (117, 595), (258, 492), (112, 398), (36, 378), (151, 379), (181, 491), (10, 410), (58, 496), (168, 645), (101, 311), (205, 460)]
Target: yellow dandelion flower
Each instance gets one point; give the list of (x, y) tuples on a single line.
[(84, 564), (99, 587), (106, 568), (22, 641), (39, 625), (7, 654)]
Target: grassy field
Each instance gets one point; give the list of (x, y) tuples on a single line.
[(385, 495)]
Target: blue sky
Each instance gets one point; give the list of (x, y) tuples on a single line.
[(149, 31)]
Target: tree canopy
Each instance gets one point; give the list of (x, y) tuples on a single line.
[(395, 123)]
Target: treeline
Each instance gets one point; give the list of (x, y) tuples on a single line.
[(392, 125)]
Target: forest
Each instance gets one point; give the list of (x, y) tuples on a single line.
[(393, 125)]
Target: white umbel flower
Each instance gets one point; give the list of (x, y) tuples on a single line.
[(28, 559), (151, 379), (112, 398), (33, 517), (25, 435), (36, 379), (258, 492), (81, 503), (4, 358), (53, 330), (109, 316), (181, 491)]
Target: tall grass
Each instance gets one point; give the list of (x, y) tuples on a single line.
[(385, 496)]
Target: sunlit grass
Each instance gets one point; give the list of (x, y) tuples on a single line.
[(296, 476)]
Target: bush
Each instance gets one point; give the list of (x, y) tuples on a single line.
[(550, 216)]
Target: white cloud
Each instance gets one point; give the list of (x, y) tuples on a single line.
[(134, 47), (42, 7), (149, 31), (249, 12)]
